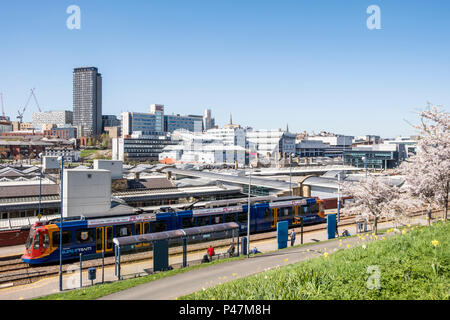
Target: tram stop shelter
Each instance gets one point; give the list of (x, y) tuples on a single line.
[(160, 242)]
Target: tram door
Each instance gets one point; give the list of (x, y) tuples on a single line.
[(274, 213), (142, 228), (104, 242), (296, 217)]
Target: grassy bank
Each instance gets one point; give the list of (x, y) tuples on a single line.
[(413, 265), (101, 290)]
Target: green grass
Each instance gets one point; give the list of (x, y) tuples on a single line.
[(410, 266), (87, 152), (101, 290)]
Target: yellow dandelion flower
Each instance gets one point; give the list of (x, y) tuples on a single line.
[(325, 254), (363, 238), (286, 260), (409, 225), (348, 246), (403, 231), (435, 243), (340, 244)]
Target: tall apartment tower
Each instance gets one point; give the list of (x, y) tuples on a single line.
[(87, 101), (208, 121)]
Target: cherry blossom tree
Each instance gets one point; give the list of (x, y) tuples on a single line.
[(372, 198), (427, 173)]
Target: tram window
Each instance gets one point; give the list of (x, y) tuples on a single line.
[(46, 241), (36, 241), (159, 226), (99, 239), (67, 238), (109, 238), (30, 238), (202, 221), (285, 213), (84, 236), (230, 217), (216, 219), (146, 227), (123, 231), (242, 217), (267, 215), (187, 222)]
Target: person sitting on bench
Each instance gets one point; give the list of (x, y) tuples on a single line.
[(230, 250)]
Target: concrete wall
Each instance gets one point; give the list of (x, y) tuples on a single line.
[(116, 167), (86, 192)]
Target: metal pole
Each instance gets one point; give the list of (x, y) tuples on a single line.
[(365, 164), (119, 263), (290, 174), (40, 190), (339, 197), (81, 272), (301, 225), (115, 260), (248, 215), (61, 229), (184, 252), (103, 266)]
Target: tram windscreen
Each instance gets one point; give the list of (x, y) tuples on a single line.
[(29, 242)]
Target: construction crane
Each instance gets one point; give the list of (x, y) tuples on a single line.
[(20, 116)]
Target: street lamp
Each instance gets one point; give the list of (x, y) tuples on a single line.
[(339, 198), (290, 173), (61, 226), (248, 212), (40, 187), (365, 164)]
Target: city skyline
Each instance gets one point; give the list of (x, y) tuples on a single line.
[(318, 68)]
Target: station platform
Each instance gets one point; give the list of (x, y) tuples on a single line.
[(11, 251)]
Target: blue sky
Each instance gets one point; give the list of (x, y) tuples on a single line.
[(311, 64)]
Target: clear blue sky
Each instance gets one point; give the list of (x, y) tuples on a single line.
[(311, 64)]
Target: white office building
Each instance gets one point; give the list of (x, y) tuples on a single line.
[(271, 143), (58, 118), (215, 146)]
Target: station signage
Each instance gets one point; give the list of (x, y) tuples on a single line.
[(119, 220), (200, 212), (288, 203)]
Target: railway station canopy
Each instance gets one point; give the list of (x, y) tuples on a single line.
[(195, 233)]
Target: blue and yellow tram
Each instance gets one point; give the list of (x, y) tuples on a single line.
[(95, 235)]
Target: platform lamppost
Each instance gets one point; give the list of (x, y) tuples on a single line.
[(248, 212), (290, 173), (40, 187), (61, 226), (365, 163)]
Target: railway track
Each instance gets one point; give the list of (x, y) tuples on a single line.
[(13, 272)]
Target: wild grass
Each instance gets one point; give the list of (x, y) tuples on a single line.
[(411, 265)]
